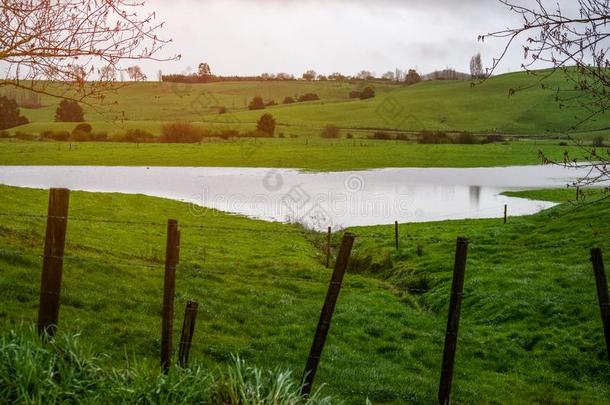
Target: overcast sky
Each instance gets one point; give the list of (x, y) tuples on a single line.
[(245, 37)]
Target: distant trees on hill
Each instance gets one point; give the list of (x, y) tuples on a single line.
[(476, 67), (257, 103), (69, 111), (266, 124), (9, 114)]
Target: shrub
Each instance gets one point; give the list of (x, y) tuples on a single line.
[(266, 124), (55, 135), (79, 136), (222, 110), (355, 94), (24, 136), (493, 138), (99, 136), (257, 103), (598, 142), (330, 131), (228, 133), (439, 137), (136, 135), (84, 127), (465, 138), (349, 135), (4, 134), (309, 97), (382, 136), (181, 132), (402, 137), (69, 111), (271, 103), (9, 114), (563, 143), (367, 93), (288, 100)]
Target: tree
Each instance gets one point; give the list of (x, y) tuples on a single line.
[(336, 76), (204, 70), (573, 41), (257, 103), (42, 40), (288, 100), (107, 73), (9, 114), (266, 124), (476, 67), (135, 73), (364, 75), (330, 131), (367, 93), (309, 75), (412, 77), (69, 111), (389, 76)]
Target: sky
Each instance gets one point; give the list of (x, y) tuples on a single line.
[(250, 37)]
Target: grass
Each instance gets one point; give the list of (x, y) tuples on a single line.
[(431, 105), (62, 371), (309, 154), (530, 330)]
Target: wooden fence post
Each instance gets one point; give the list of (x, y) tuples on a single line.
[(328, 247), (396, 233), (602, 293), (188, 329), (327, 313), (169, 290), (505, 213), (453, 321), (54, 246)]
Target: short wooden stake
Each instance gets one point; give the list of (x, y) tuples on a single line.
[(602, 293), (188, 329), (505, 213), (328, 247), (327, 313), (53, 261), (453, 321), (396, 234), (169, 290)]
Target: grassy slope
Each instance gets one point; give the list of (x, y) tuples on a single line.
[(313, 154), (444, 105), (530, 329)]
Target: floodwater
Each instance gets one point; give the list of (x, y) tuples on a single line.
[(317, 200)]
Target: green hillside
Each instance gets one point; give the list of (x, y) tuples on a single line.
[(530, 330), (431, 105)]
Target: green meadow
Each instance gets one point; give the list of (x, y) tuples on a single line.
[(308, 154), (429, 105), (530, 330)]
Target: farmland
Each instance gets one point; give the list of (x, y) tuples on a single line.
[(530, 330)]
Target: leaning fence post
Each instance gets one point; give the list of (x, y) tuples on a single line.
[(453, 321), (396, 233), (505, 213), (188, 329), (328, 247), (327, 313), (602, 293), (53, 260), (169, 290)]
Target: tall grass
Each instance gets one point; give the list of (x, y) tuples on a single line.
[(62, 371)]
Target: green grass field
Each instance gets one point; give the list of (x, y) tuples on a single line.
[(530, 330), (309, 154), (431, 105)]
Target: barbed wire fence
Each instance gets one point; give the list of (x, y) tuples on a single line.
[(54, 258)]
